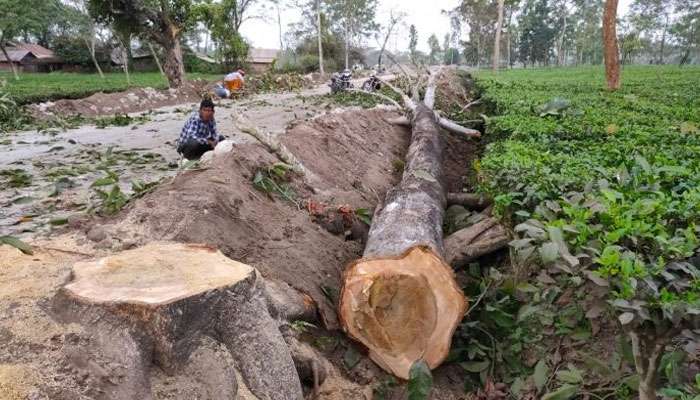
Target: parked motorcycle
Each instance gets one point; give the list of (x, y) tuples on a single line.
[(341, 82), (372, 84)]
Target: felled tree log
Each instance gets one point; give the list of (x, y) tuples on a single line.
[(469, 200), (468, 244), (157, 302), (401, 300)]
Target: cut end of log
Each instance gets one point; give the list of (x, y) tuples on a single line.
[(403, 309), (155, 274)]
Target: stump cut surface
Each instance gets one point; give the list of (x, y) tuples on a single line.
[(155, 274)]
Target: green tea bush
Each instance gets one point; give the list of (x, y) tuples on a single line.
[(606, 186)]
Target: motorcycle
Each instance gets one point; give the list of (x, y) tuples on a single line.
[(372, 84), (341, 82)]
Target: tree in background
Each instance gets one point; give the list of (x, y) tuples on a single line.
[(434, 48), (412, 43), (611, 54), (395, 17), (536, 32), (223, 20), (20, 16), (164, 22), (497, 40), (86, 29), (480, 16), (652, 18), (586, 19), (687, 28), (354, 20)]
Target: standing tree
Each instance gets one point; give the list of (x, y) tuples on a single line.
[(223, 20), (19, 16), (394, 18), (163, 22), (412, 42), (652, 18), (87, 30), (497, 40), (320, 36), (434, 46), (611, 54), (355, 19)]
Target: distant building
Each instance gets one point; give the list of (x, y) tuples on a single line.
[(30, 58), (261, 60)]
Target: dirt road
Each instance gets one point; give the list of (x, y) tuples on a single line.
[(47, 177)]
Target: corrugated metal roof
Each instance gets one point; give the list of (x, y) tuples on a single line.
[(19, 51)]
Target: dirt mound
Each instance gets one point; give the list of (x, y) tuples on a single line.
[(453, 90), (133, 100), (220, 205), (352, 153)]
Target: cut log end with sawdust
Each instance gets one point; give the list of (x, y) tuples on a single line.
[(401, 300)]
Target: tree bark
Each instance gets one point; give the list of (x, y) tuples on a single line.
[(320, 34), (155, 58), (497, 41), (7, 57), (174, 66), (401, 300), (468, 244), (469, 200), (663, 40), (91, 47), (125, 65), (610, 50), (561, 59)]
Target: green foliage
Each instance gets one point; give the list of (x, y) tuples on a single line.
[(12, 117), (420, 381), (223, 20), (33, 88), (16, 243), (608, 193), (15, 178), (274, 179)]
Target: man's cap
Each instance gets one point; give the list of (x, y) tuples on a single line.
[(206, 103)]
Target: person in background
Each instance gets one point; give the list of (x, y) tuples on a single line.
[(234, 81), (199, 133)]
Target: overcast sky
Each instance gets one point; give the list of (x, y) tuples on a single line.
[(426, 15)]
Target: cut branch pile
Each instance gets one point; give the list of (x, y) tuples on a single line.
[(401, 299)]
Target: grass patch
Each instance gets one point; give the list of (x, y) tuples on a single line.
[(35, 87)]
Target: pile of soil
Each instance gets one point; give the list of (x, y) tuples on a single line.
[(453, 90), (350, 155), (130, 101)]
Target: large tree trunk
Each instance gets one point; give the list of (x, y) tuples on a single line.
[(561, 58), (497, 41), (401, 300), (663, 41), (7, 57), (174, 66), (320, 34), (610, 50)]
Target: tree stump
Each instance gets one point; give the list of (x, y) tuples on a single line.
[(160, 299)]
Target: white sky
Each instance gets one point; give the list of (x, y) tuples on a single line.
[(426, 15)]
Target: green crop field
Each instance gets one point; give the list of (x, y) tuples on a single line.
[(31, 87), (601, 181)]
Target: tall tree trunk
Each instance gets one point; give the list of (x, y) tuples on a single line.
[(91, 47), (497, 41), (347, 46), (561, 59), (174, 67), (663, 40), (279, 25), (610, 50), (155, 58), (7, 57), (125, 65), (320, 34)]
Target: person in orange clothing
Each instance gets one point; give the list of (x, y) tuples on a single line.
[(234, 81)]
